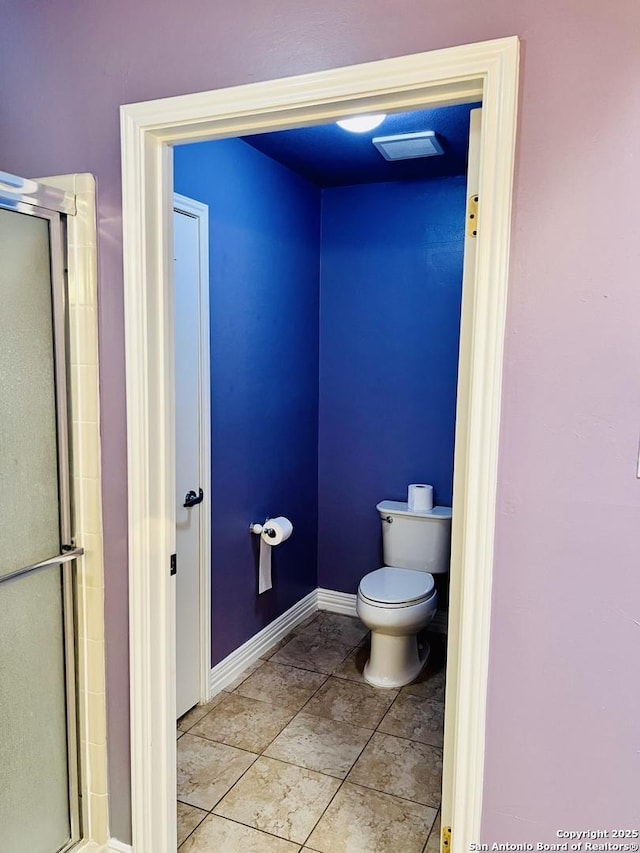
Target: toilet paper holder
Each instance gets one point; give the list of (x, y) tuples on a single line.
[(258, 528)]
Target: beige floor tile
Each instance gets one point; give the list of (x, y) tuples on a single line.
[(206, 770), (319, 744), (243, 675), (352, 667), (401, 767), (198, 712), (416, 718), (305, 623), (218, 835), (317, 652), (279, 798), (345, 629), (286, 686), (350, 702), (360, 820), (243, 722), (429, 685), (188, 818), (275, 648), (433, 843)]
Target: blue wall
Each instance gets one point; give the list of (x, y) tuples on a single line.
[(334, 343), (391, 282), (264, 250)]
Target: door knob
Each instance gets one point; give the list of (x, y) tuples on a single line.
[(191, 498)]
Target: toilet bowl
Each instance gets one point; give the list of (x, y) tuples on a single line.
[(395, 604), (398, 600)]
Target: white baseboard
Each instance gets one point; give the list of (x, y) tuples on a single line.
[(336, 602), (227, 670), (230, 668), (114, 846)]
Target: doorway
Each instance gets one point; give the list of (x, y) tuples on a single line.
[(486, 72), (337, 276)]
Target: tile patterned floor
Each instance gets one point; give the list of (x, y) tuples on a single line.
[(301, 754)]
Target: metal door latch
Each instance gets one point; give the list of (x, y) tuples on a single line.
[(191, 498), (472, 216)]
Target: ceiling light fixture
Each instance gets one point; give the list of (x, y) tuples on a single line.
[(361, 124)]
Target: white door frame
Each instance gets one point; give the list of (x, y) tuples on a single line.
[(486, 71), (200, 212)]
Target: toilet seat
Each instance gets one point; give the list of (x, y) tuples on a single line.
[(390, 586)]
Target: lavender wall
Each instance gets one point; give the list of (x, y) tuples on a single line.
[(563, 728), (390, 286), (264, 244)]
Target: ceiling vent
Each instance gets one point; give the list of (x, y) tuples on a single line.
[(407, 146)]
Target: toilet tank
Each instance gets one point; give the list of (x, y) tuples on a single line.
[(416, 539)]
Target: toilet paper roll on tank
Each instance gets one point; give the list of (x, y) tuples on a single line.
[(273, 532), (420, 497)]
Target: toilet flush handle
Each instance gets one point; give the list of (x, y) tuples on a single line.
[(388, 519)]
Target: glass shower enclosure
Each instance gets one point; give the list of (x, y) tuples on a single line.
[(39, 797)]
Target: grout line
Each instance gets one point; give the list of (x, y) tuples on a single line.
[(324, 717), (255, 829), (349, 648), (238, 823), (228, 745), (435, 820), (398, 796), (259, 755), (410, 739), (206, 815), (375, 730), (320, 686), (292, 666), (266, 832), (341, 785), (395, 699), (324, 811), (328, 719), (302, 668)]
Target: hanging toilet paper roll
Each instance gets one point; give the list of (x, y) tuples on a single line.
[(276, 530), (273, 532), (420, 497)]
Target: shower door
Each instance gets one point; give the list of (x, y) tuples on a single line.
[(38, 763)]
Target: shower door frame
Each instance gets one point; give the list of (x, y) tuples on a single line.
[(57, 206), (74, 195), (486, 71)]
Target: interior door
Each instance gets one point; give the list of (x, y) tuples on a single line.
[(449, 760), (38, 765), (189, 498)]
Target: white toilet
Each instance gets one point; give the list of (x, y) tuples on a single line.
[(398, 600)]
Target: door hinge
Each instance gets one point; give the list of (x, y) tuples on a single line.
[(446, 839), (472, 216), (173, 563)]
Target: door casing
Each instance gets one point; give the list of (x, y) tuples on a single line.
[(486, 71)]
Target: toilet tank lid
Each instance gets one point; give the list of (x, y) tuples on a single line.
[(402, 508)]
